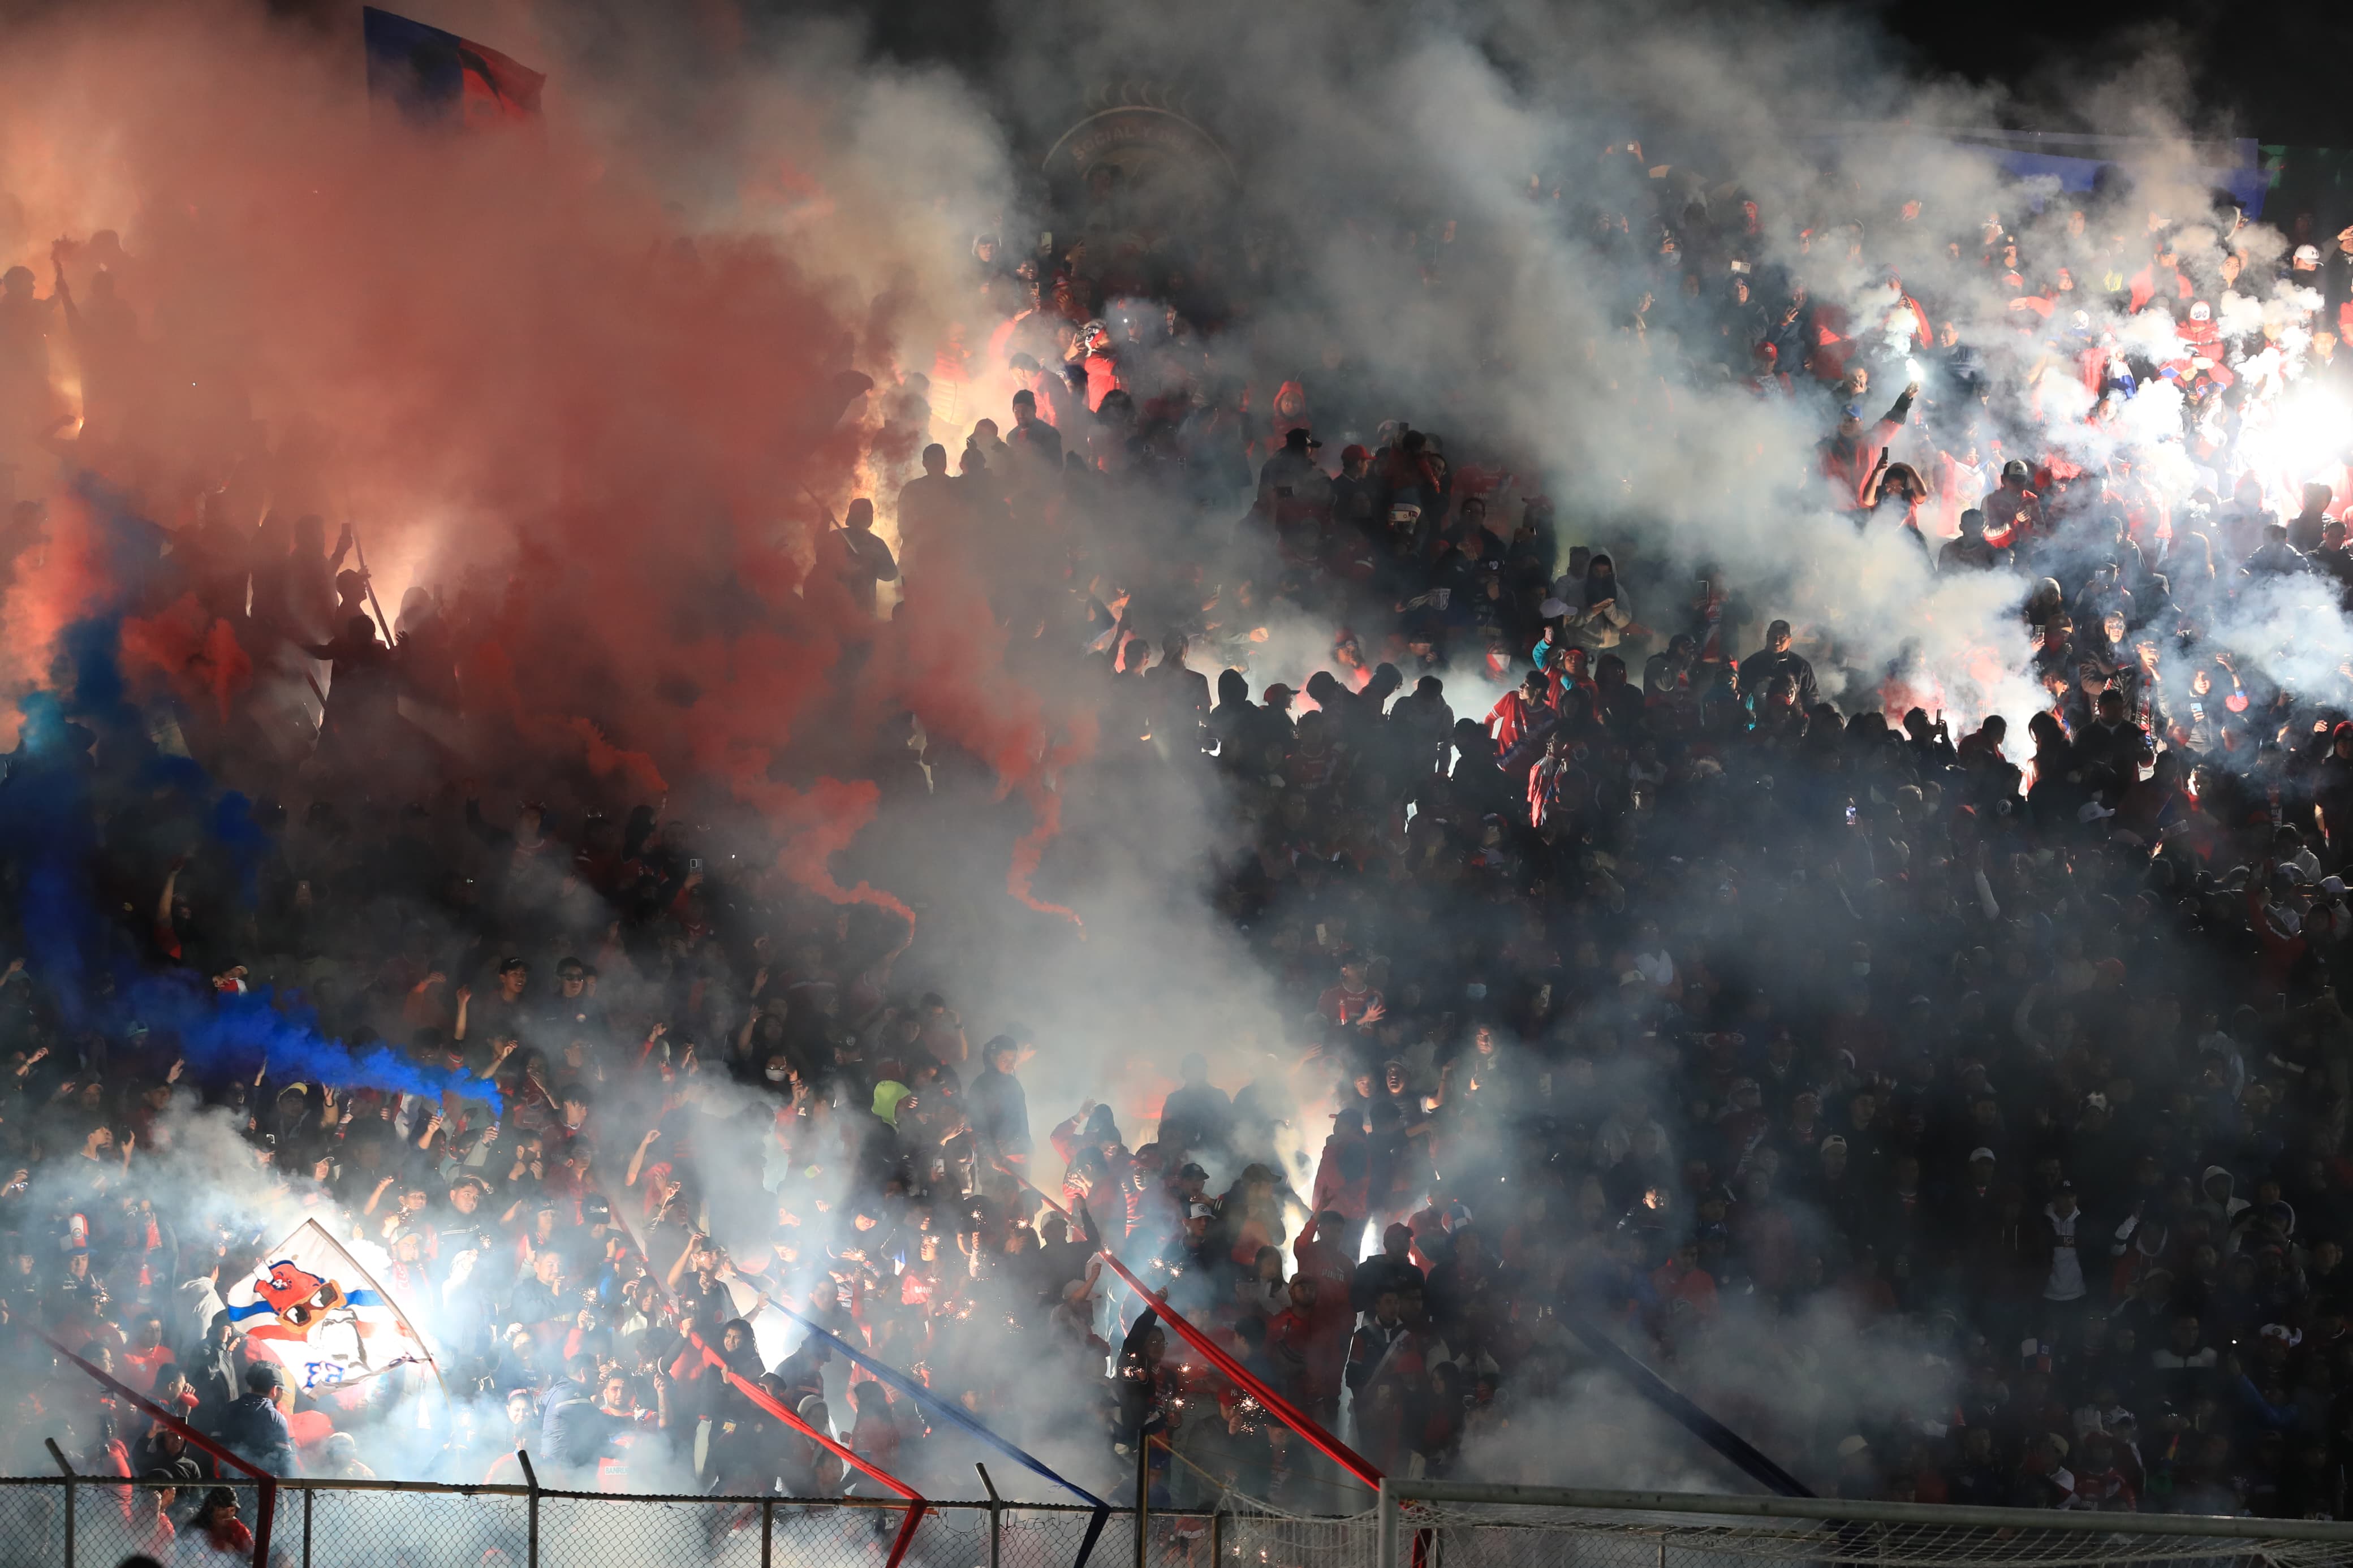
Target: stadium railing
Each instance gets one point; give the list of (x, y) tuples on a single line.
[(1456, 1524), (88, 1522), (96, 1522)]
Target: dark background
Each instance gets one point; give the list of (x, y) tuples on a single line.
[(2274, 69), (2279, 72)]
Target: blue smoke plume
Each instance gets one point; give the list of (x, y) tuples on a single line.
[(84, 963), (225, 1032)]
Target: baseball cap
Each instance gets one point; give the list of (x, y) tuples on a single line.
[(1352, 452), (1981, 1152), (1200, 1211)]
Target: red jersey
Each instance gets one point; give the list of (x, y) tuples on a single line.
[(1512, 718), (1343, 1005)]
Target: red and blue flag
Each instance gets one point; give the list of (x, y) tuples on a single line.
[(440, 78)]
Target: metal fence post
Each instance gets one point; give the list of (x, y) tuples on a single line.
[(1385, 1526), (307, 1495), (1142, 1500), (767, 1531), (530, 1505), (1218, 1531), (996, 1515), (67, 1471)]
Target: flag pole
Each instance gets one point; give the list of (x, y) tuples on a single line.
[(425, 1352), (775, 1406), (265, 1512), (1291, 1415)]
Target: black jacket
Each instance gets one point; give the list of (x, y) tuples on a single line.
[(574, 1431), (1759, 669), (255, 1430)]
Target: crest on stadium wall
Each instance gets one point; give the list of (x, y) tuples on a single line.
[(1137, 160)]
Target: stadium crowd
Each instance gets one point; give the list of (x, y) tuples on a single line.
[(1660, 993)]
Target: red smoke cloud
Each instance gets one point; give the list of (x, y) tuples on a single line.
[(818, 823), (505, 359), (197, 655)]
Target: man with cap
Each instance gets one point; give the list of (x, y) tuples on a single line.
[(1519, 713), (2065, 1289), (1760, 670), (254, 1427), (1356, 495), (2302, 272), (1187, 1268), (1389, 1271), (1273, 726), (215, 1368), (1973, 1211), (2112, 750), (1033, 438), (2013, 512), (1291, 488), (574, 1432), (999, 1109)]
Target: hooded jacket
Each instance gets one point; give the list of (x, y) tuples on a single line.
[(575, 1432), (1137, 1387), (254, 1429)]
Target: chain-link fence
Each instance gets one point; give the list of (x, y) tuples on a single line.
[(85, 1521), (1429, 1524)]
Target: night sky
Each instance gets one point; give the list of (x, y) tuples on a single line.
[(2273, 70), (2278, 70)]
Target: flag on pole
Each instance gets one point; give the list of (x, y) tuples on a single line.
[(311, 1308), (440, 78)]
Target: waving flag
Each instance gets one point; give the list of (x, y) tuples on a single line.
[(440, 78), (313, 1309)]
